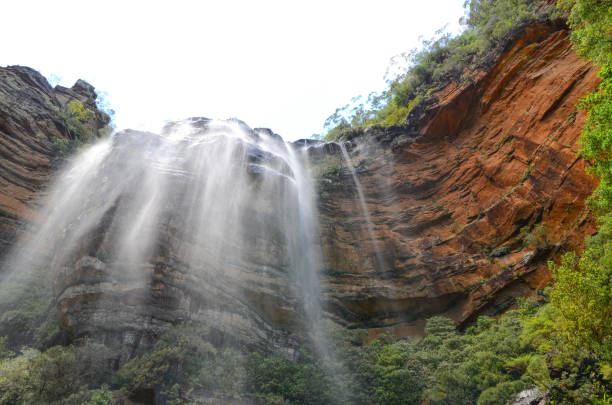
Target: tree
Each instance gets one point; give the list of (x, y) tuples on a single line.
[(583, 294)]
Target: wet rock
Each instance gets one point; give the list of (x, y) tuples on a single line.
[(29, 124), (499, 252), (532, 396), (306, 142), (319, 150), (270, 134)]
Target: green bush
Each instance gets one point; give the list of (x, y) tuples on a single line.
[(536, 237), (79, 112), (55, 375), (63, 145), (176, 358), (74, 115), (399, 375), (583, 294), (487, 26)]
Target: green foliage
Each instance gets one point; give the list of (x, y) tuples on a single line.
[(74, 116), (591, 23), (526, 174), (58, 375), (300, 382), (105, 131), (176, 358), (492, 20), (63, 145), (79, 112), (399, 376), (501, 393), (26, 317), (5, 353), (535, 238), (597, 136), (488, 25), (101, 396), (583, 294), (581, 298), (488, 364), (224, 373), (329, 166)]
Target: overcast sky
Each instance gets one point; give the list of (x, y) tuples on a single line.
[(286, 65)]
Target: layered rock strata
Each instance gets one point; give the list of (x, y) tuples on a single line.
[(191, 227), (451, 199), (29, 125), (455, 195)]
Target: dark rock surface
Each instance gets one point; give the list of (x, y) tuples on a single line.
[(29, 123), (532, 396)]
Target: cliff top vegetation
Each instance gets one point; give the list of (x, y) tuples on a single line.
[(488, 27)]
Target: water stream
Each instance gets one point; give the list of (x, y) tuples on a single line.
[(364, 207), (218, 200), (208, 206)]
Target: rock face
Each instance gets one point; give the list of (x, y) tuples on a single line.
[(29, 123), (438, 230), (532, 396), (448, 202), (205, 222)]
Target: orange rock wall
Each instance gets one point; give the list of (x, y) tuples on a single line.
[(494, 155)]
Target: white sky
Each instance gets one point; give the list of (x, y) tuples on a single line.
[(285, 65)]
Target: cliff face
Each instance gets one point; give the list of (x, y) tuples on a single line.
[(446, 199), (448, 202), (29, 123), (202, 229)]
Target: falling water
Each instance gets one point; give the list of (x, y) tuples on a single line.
[(364, 208), (66, 198), (212, 206), (215, 199)]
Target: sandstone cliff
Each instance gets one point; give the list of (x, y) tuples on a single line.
[(449, 194), (29, 124)]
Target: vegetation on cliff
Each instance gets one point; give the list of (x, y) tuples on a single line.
[(488, 26), (74, 115), (569, 340), (560, 343)]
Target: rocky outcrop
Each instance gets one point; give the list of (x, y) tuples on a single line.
[(30, 122), (532, 396), (448, 201), (200, 224)]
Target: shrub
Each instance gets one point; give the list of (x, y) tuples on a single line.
[(63, 145), (176, 358), (54, 375), (79, 112), (74, 115), (583, 294), (488, 25), (536, 237)]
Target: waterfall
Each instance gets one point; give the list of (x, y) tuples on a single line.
[(228, 209), (364, 207)]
